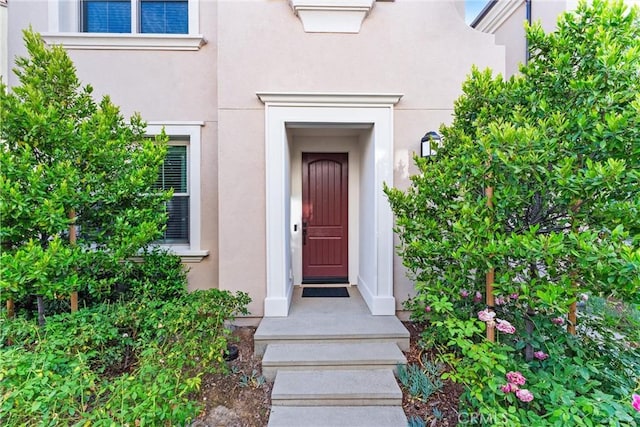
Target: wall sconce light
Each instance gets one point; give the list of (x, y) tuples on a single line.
[(428, 143)]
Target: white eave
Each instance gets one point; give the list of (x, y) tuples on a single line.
[(499, 12)]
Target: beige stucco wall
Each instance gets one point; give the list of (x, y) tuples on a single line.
[(4, 54), (421, 49)]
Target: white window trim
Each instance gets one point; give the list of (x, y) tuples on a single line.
[(65, 30), (191, 252)]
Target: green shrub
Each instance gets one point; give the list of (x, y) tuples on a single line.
[(121, 363), (157, 274)]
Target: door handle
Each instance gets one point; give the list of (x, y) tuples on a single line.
[(304, 232)]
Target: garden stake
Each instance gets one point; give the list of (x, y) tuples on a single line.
[(11, 309), (72, 242), (572, 317), (490, 279)]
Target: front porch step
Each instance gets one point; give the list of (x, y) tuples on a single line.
[(318, 328), (323, 356), (374, 387), (323, 416)]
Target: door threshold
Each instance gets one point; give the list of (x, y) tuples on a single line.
[(325, 285)]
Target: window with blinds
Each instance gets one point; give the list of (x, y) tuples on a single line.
[(154, 16), (173, 175)]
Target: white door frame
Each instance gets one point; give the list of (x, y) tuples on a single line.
[(282, 109)]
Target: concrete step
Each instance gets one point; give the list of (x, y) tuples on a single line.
[(318, 328), (372, 387), (332, 416), (360, 355)]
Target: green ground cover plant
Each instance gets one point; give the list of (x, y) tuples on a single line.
[(137, 362), (559, 146)]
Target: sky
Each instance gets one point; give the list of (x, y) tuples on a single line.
[(473, 8)]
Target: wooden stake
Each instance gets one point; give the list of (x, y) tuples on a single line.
[(72, 242), (573, 318), (490, 278), (573, 308), (11, 309)]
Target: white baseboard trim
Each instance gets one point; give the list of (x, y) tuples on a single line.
[(378, 305), (278, 306)]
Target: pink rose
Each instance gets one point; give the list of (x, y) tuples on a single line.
[(477, 297), (514, 296), (540, 355), (636, 402), (516, 378), (558, 320), (506, 327), (464, 293), (427, 308), (486, 315), (524, 395)]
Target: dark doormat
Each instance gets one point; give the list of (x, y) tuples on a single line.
[(325, 292)]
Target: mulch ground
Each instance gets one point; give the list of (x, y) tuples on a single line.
[(445, 401)]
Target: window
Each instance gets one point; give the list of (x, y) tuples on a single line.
[(125, 24), (149, 16), (181, 171), (173, 175)]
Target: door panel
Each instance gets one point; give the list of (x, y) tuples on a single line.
[(325, 199)]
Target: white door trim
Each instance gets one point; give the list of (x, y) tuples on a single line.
[(283, 109)]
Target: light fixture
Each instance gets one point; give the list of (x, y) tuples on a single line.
[(428, 144)]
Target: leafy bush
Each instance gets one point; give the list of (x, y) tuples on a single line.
[(70, 163), (537, 181), (157, 274), (122, 363)]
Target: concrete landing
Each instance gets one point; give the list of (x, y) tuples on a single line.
[(329, 320)]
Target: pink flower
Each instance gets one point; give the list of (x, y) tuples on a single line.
[(516, 378), (477, 297), (524, 395), (636, 402), (506, 327), (584, 297), (558, 320), (464, 293), (514, 296), (500, 301), (486, 315), (509, 388), (540, 355), (427, 308)]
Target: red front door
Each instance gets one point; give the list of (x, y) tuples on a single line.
[(325, 245)]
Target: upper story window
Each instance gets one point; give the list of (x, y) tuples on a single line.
[(135, 16), (125, 24)]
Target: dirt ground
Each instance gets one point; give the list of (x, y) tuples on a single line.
[(241, 399), (444, 401)]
